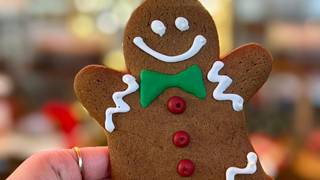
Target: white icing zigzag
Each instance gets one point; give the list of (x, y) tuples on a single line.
[(121, 106), (250, 169), (224, 84)]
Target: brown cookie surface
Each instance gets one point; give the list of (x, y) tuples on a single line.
[(142, 146)]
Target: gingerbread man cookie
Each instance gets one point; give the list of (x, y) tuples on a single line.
[(178, 111)]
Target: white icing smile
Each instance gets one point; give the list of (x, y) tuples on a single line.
[(198, 43), (159, 28)]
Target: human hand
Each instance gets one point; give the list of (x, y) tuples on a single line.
[(63, 165)]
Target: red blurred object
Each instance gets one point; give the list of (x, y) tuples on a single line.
[(262, 143), (313, 141), (272, 153), (62, 114)]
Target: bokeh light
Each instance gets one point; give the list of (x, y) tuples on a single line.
[(108, 23), (115, 60), (82, 26), (88, 6)]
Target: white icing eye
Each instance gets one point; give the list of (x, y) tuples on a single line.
[(158, 27), (182, 24)]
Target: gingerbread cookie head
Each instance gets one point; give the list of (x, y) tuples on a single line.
[(170, 35)]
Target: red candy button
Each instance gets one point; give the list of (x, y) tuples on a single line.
[(176, 105), (181, 139), (185, 168)]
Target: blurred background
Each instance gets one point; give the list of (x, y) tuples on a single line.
[(43, 43)]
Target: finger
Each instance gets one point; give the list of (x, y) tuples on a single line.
[(95, 163), (36, 167), (63, 165)]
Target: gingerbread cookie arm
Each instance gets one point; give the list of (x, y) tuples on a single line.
[(95, 87), (249, 67)]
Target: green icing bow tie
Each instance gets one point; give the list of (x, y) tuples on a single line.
[(154, 83)]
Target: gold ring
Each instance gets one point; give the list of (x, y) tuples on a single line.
[(79, 158)]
